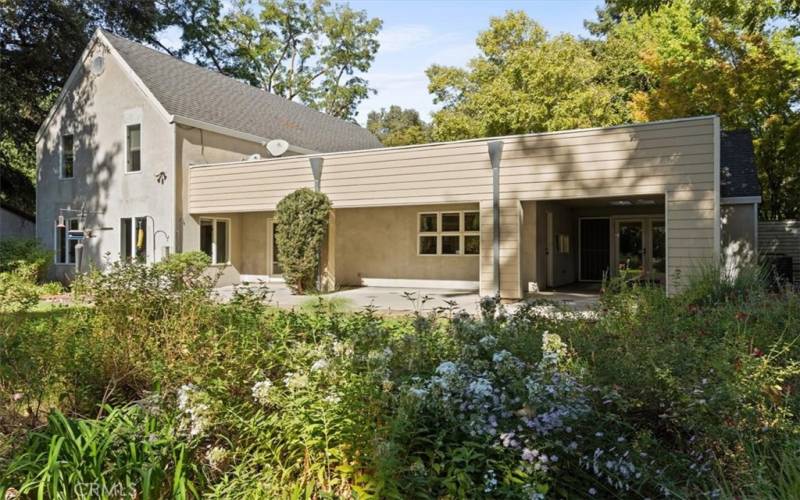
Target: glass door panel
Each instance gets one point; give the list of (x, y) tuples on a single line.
[(658, 248), (630, 248)]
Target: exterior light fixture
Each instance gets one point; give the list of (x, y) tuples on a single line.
[(60, 224)]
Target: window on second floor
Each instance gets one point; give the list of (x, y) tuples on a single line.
[(133, 148), (67, 156)]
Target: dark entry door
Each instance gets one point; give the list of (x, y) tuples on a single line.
[(595, 248)]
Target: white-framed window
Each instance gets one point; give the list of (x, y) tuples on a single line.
[(64, 247), (133, 238), (215, 239), (67, 169), (449, 233), (133, 148)]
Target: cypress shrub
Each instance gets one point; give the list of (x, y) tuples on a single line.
[(302, 218)]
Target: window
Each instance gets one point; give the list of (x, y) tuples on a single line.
[(67, 156), (449, 233), (133, 238), (141, 239), (214, 238), (126, 238), (133, 148), (65, 248)]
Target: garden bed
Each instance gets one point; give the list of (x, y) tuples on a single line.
[(160, 391)]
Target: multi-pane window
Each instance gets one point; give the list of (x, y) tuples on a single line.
[(67, 156), (65, 248), (449, 233), (133, 148), (214, 239)]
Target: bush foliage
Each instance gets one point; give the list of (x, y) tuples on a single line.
[(302, 218), (160, 389), (23, 264)]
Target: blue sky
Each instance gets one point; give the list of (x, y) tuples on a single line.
[(418, 33)]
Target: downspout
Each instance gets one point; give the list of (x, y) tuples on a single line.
[(495, 154), (316, 170)]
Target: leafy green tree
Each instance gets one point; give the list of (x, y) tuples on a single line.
[(41, 42), (302, 219), (398, 127), (311, 52), (753, 15), (523, 81), (680, 61)]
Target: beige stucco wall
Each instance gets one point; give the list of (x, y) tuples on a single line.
[(675, 157), (96, 110), (194, 146), (382, 243)]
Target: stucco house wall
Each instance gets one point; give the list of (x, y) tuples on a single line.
[(381, 243), (96, 108)]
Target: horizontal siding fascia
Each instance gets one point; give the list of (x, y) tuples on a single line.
[(633, 133), (519, 151), (511, 163)]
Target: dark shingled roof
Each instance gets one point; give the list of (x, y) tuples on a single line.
[(190, 91), (738, 174)]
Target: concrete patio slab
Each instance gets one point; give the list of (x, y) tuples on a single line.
[(406, 300)]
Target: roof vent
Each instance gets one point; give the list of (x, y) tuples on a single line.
[(98, 65)]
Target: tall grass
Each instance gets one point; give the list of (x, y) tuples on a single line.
[(127, 453)]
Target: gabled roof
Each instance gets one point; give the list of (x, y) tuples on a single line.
[(188, 91), (738, 174)]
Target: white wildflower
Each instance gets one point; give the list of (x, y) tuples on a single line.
[(319, 364), (261, 391), (446, 368)]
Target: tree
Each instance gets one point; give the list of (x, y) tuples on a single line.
[(523, 81), (41, 42), (302, 219), (752, 15), (309, 52), (398, 127), (680, 61)]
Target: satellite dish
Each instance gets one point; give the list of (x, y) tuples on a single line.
[(277, 147), (98, 65)]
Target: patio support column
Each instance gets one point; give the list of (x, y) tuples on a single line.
[(316, 170), (495, 154)]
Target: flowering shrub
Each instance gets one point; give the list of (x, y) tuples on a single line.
[(657, 397)]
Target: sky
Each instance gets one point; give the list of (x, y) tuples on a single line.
[(419, 33)]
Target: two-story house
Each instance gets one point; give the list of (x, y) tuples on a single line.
[(167, 156)]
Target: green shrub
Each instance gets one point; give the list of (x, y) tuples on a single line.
[(126, 454), (302, 218), (24, 254), (18, 290), (656, 396)]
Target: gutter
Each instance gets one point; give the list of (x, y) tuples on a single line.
[(191, 122)]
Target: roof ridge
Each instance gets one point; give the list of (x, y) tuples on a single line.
[(217, 74)]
